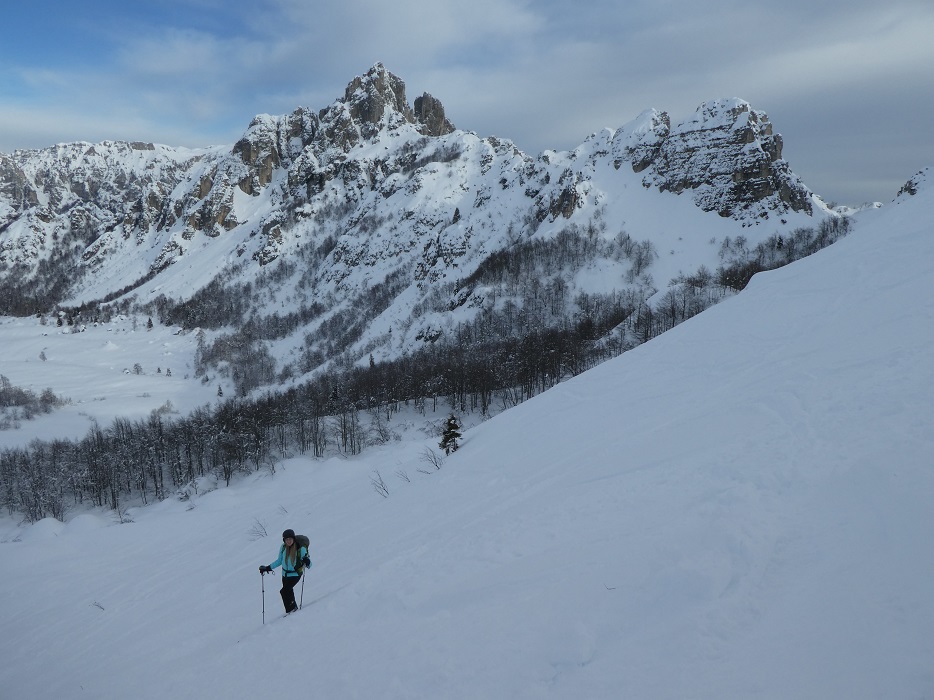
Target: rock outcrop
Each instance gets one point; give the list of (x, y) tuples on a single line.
[(429, 112), (917, 182), (725, 154)]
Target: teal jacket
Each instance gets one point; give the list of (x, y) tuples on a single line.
[(290, 568)]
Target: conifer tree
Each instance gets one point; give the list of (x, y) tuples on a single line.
[(450, 435)]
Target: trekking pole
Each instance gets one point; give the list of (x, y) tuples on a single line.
[(302, 596), (262, 578)]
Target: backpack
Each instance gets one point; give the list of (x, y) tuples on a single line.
[(301, 541)]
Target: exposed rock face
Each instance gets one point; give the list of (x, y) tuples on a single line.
[(641, 140), (15, 190), (259, 151), (269, 143), (430, 112), (376, 101), (726, 154), (377, 94)]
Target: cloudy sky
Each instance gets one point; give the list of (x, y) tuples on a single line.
[(848, 83)]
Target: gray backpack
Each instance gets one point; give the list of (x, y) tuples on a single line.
[(301, 541)]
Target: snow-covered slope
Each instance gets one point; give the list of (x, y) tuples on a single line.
[(739, 508)]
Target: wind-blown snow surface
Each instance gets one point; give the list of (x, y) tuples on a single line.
[(740, 508)]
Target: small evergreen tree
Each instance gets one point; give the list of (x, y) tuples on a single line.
[(450, 435)]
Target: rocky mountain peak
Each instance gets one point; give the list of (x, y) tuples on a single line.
[(726, 154), (376, 101), (371, 95)]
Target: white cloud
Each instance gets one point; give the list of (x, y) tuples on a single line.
[(544, 74)]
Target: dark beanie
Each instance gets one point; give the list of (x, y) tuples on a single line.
[(287, 534)]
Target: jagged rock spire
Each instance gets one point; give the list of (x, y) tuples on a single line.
[(377, 96), (430, 113), (369, 96)]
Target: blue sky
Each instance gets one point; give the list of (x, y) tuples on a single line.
[(848, 83)]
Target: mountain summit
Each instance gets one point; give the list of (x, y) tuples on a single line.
[(726, 153), (377, 101)]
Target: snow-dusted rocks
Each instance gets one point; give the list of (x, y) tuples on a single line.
[(915, 184), (113, 195), (725, 153), (640, 141), (88, 197), (377, 100)]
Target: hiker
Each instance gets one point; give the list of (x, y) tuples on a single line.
[(293, 558)]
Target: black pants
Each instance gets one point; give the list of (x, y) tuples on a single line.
[(287, 592)]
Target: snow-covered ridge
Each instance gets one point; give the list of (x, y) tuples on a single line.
[(919, 182), (726, 151), (371, 189)]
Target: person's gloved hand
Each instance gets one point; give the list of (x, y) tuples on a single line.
[(306, 561), (265, 569)]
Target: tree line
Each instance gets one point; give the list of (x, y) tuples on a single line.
[(508, 353)]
